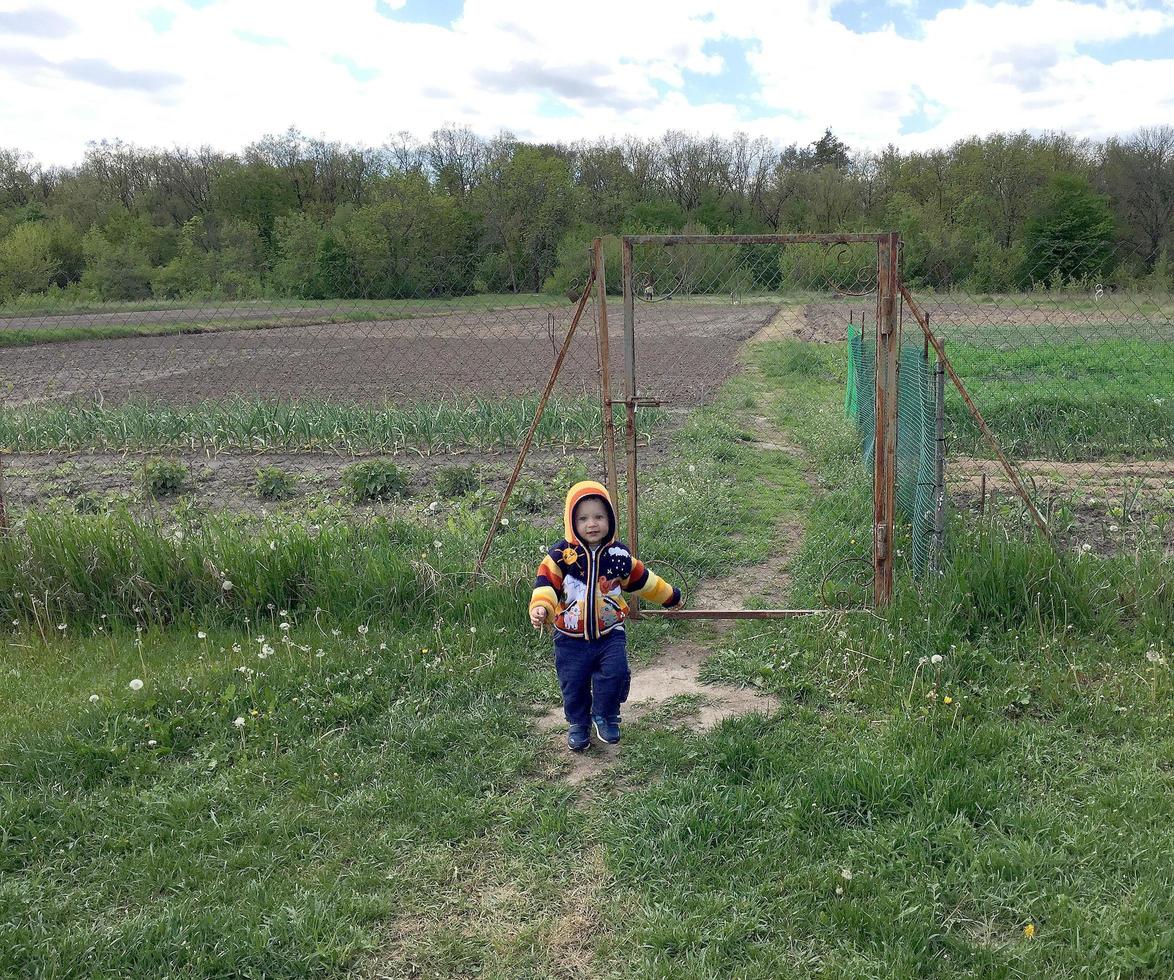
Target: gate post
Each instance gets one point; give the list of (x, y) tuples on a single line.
[(888, 362), (609, 429)]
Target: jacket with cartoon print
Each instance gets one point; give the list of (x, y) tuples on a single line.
[(580, 585)]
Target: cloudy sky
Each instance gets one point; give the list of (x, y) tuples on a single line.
[(917, 73)]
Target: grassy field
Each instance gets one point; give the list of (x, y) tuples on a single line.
[(330, 767), (1087, 401)]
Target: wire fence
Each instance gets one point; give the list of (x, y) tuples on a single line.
[(1072, 375)]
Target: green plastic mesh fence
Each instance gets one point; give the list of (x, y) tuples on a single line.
[(919, 492)]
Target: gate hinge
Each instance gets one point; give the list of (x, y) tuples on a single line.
[(880, 535)]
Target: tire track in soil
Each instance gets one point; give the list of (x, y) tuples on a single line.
[(676, 672)]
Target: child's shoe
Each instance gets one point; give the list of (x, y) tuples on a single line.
[(608, 729), (578, 738)]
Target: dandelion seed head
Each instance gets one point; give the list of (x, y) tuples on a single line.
[(239, 721), (93, 699), (136, 684), (226, 586), (936, 658), (201, 635)]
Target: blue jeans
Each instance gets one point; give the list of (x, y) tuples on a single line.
[(593, 675)]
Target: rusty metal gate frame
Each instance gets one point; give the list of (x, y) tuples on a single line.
[(888, 341)]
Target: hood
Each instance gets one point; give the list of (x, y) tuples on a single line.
[(588, 488)]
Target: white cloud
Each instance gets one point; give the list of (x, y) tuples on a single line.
[(75, 70)]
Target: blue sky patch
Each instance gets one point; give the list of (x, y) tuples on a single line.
[(442, 13), (736, 84), (550, 107), (160, 19), (357, 71), (1149, 47), (199, 4), (264, 40)]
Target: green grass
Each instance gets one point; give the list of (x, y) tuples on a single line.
[(1103, 400), (372, 308), (257, 425), (389, 811)]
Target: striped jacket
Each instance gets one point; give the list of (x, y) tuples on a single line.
[(581, 586)]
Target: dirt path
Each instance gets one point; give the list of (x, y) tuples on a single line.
[(671, 685)]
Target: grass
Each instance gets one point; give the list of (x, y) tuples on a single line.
[(256, 425), (388, 811), (1088, 401)]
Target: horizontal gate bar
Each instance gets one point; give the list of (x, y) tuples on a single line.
[(796, 239), (739, 613)]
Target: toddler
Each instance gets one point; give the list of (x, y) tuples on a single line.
[(578, 591)]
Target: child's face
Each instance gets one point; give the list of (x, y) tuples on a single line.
[(591, 520)]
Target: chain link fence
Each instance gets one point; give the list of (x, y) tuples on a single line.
[(1073, 376)]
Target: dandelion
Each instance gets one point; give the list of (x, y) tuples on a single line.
[(201, 635), (336, 632), (1114, 527), (284, 627), (1086, 548), (266, 651), (936, 659), (846, 874), (226, 586), (239, 721), (283, 613), (136, 684), (436, 545), (382, 646), (473, 629), (434, 506), (236, 648), (1154, 657), (922, 661), (93, 699), (61, 626), (254, 712), (839, 889), (363, 629), (947, 700), (505, 522), (272, 545), (1029, 930), (151, 743)]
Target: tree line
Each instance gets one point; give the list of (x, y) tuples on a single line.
[(297, 216)]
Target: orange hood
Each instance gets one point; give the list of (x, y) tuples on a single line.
[(580, 491)]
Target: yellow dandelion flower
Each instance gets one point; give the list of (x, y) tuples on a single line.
[(1029, 930), (947, 700)]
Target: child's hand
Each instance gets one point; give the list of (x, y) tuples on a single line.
[(538, 617)]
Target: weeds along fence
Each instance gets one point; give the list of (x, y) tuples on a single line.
[(1071, 373)]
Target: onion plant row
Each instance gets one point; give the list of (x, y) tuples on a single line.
[(257, 425)]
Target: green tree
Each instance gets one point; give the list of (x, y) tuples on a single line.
[(526, 203), (115, 270), (1070, 236), (27, 260)]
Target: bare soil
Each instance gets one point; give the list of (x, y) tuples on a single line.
[(1109, 506), (683, 353), (227, 481)]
